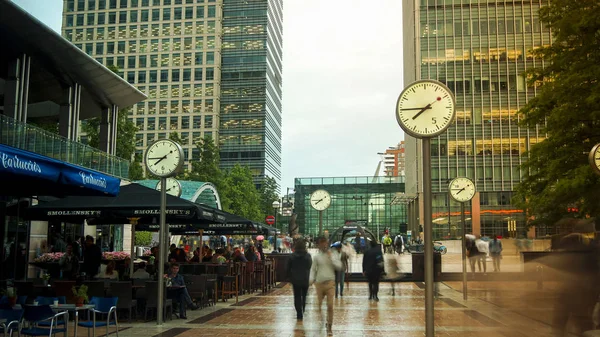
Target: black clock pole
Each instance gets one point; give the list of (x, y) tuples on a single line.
[(162, 250), (428, 233), (464, 249), (320, 223)]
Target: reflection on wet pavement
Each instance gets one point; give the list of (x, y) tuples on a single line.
[(494, 309)]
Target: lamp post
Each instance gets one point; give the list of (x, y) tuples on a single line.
[(275, 206)]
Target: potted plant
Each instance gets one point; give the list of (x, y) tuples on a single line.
[(80, 295), (46, 278)]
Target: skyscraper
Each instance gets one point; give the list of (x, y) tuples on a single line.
[(394, 160), (209, 68), (480, 50)]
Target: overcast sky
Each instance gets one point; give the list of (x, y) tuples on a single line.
[(342, 74)]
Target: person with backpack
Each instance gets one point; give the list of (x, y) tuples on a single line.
[(373, 267), (496, 252)]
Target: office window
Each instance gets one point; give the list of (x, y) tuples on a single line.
[(122, 17), (212, 11), (131, 62), (210, 74), (100, 48), (197, 122), (69, 20), (189, 13), (134, 3), (91, 19), (164, 75), (153, 76), (200, 12), (145, 2), (133, 16), (185, 122), (142, 61), (123, 4), (101, 18), (177, 13), (141, 77), (110, 47), (187, 75), (121, 62), (80, 5), (70, 5), (198, 59), (121, 47), (112, 18), (166, 14), (79, 19), (167, 2), (175, 75), (210, 58), (101, 4), (198, 74)]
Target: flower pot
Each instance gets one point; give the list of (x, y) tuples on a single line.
[(12, 301), (79, 301)]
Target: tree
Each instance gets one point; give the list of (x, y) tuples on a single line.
[(241, 194), (183, 174), (143, 238), (558, 181), (206, 169), (136, 172), (126, 131), (268, 194)]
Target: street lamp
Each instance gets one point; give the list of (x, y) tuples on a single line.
[(275, 206)]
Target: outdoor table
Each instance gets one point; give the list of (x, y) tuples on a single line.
[(76, 309)]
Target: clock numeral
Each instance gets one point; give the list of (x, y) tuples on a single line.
[(433, 120)]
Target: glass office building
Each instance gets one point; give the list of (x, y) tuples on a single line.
[(480, 50), (177, 52), (375, 202)]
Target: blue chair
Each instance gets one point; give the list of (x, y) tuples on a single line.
[(35, 314), (106, 306), (12, 319), (48, 301)]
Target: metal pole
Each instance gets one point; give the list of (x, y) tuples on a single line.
[(131, 257), (163, 246), (320, 222), (429, 326), (464, 249)]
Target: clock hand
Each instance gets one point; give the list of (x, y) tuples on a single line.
[(161, 158), (319, 201), (408, 109), (428, 106)]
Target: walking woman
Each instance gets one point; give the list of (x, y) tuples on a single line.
[(373, 268), (298, 271)]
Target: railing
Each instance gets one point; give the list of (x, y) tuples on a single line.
[(34, 139)]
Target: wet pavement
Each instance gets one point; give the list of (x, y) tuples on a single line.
[(494, 309)]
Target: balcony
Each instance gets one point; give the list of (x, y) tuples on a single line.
[(34, 139)]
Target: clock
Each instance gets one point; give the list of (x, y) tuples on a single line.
[(164, 158), (173, 187), (595, 158), (320, 200), (425, 109), (462, 189)]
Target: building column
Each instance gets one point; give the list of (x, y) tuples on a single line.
[(476, 215), (16, 92), (76, 92), (65, 113), (105, 130), (113, 129)]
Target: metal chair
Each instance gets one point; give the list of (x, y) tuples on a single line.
[(48, 301), (106, 306), (35, 314), (12, 319), (124, 291)]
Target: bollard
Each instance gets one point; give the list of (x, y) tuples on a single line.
[(539, 270)]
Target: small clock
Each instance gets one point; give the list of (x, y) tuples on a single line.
[(425, 109), (164, 158), (320, 200), (173, 187), (595, 158), (462, 189)]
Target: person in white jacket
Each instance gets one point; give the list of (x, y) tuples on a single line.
[(322, 274)]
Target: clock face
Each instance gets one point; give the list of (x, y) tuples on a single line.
[(595, 158), (425, 109), (320, 200), (164, 158), (462, 189), (173, 187)]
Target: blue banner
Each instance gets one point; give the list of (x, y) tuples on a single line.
[(21, 163)]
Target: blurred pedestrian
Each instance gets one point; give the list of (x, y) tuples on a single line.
[(373, 267), (298, 271), (496, 252), (322, 274)]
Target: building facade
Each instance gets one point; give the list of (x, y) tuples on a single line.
[(480, 50), (377, 203), (394, 160), (209, 67)]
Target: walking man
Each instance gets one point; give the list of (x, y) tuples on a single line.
[(322, 274)]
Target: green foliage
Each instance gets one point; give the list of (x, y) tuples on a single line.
[(567, 109), (143, 238), (268, 194), (81, 291), (242, 194), (207, 169), (136, 172), (47, 125), (174, 136)]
